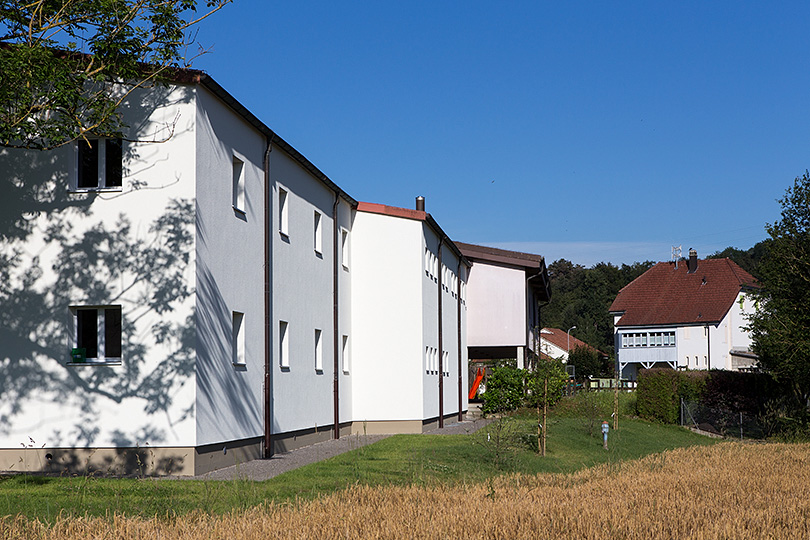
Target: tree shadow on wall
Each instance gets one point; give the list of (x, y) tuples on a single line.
[(105, 264)]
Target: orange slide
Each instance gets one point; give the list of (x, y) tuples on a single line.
[(479, 376)]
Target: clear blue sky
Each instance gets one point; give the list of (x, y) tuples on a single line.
[(591, 131)]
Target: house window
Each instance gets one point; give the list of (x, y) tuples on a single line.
[(98, 164), (344, 248), (284, 345), (238, 338), (238, 184), (427, 360), (97, 333), (427, 262), (318, 239), (344, 354), (318, 351), (283, 211)]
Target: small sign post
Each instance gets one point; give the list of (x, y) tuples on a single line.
[(605, 429)]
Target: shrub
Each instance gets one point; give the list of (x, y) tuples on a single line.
[(504, 390), (660, 390)]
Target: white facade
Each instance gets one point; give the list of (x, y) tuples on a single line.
[(217, 251), (694, 346), (396, 351)]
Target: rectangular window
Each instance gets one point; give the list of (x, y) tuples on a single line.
[(238, 184), (318, 239), (427, 360), (283, 218), (97, 331), (344, 356), (427, 262), (318, 351), (238, 338), (99, 164), (284, 345), (344, 248)]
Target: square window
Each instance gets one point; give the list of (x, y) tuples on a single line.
[(238, 181), (99, 164), (283, 210), (97, 331), (318, 239), (238, 338), (284, 345)]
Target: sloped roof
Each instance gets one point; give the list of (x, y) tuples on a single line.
[(558, 337), (666, 295), (417, 215), (533, 265)]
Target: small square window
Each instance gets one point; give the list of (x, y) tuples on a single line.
[(238, 181), (99, 164), (97, 333)]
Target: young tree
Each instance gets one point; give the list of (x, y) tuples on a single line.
[(780, 328), (68, 65)]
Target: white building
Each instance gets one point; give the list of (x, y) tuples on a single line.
[(180, 299), (409, 354), (505, 292), (685, 315)]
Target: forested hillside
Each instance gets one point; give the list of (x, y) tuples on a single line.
[(581, 296)]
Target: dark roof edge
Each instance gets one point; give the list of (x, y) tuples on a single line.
[(505, 256), (214, 87)]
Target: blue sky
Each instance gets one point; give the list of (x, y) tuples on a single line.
[(591, 131)]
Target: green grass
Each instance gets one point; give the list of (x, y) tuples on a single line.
[(398, 460)]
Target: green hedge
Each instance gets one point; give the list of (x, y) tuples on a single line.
[(660, 390)]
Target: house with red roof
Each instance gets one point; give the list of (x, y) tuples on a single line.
[(556, 343), (685, 315)]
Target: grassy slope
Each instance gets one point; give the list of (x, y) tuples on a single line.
[(399, 460)]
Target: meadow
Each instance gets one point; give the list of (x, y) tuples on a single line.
[(655, 481)]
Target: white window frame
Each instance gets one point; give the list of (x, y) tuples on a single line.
[(283, 212), (101, 334), (345, 353), (101, 165), (238, 193), (284, 345), (238, 339), (345, 248), (318, 350), (318, 233)]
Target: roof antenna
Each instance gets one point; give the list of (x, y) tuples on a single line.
[(676, 254)]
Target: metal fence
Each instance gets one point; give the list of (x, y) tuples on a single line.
[(722, 421)]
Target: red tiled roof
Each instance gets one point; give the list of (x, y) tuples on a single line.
[(664, 295), (560, 339)]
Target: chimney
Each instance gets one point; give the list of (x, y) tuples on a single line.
[(420, 203), (691, 264)]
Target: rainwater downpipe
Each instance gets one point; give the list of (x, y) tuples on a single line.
[(458, 325), (441, 343), (268, 409), (335, 315)]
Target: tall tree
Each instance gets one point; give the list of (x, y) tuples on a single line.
[(781, 325), (66, 66)]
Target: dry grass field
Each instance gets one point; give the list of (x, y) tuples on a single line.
[(728, 491)]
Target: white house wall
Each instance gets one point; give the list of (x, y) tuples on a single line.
[(229, 275), (498, 294), (134, 240), (386, 303), (303, 298)]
